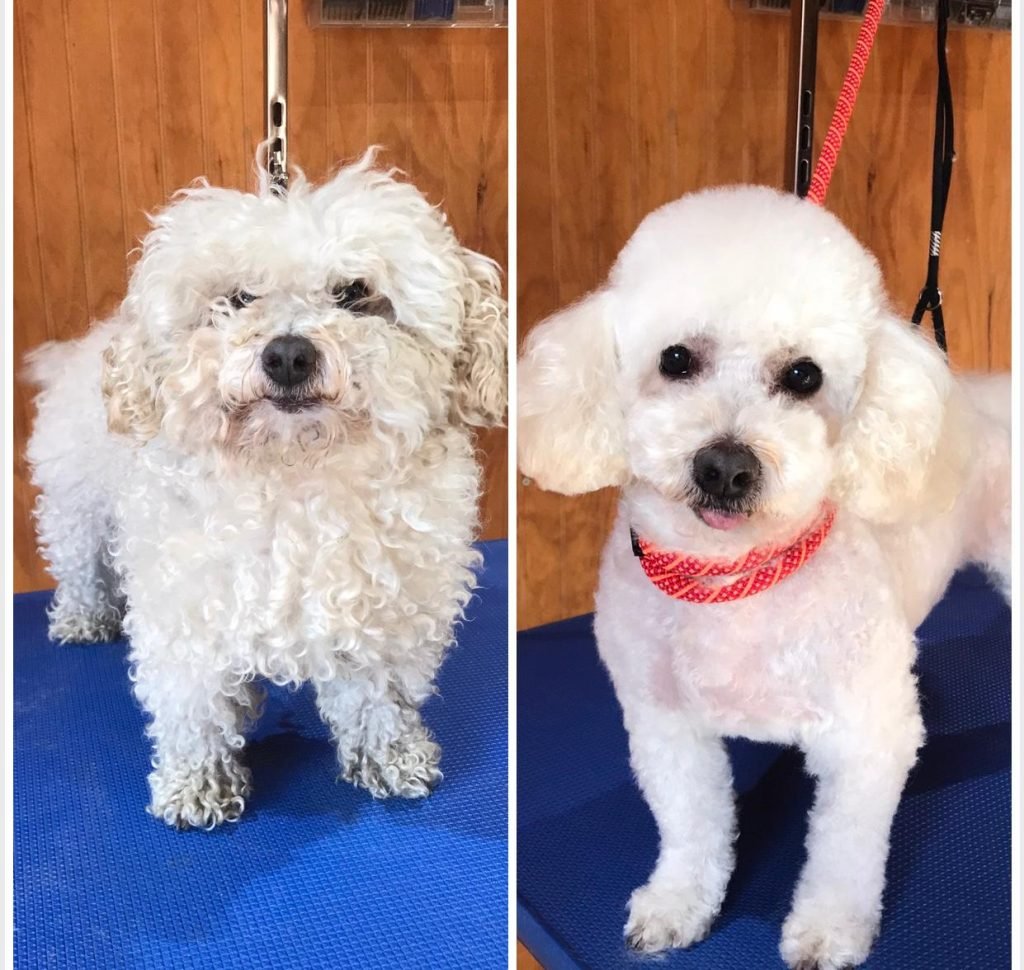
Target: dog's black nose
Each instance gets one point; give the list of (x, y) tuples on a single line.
[(290, 360), (726, 470)]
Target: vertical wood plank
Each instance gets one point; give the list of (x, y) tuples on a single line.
[(254, 124), (428, 132), (537, 277), (348, 132), (97, 171), (538, 525), (55, 183), (307, 97), (180, 90), (220, 47), (468, 153), (137, 114), (31, 329), (388, 97), (614, 59)]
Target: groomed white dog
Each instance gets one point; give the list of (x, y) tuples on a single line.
[(264, 461), (802, 474)]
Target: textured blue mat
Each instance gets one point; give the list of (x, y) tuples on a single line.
[(586, 839), (316, 873)]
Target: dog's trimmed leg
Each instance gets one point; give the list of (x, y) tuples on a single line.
[(197, 717), (86, 606), (838, 901), (382, 743), (686, 779)]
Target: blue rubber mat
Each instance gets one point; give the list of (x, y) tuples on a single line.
[(586, 839), (316, 873)]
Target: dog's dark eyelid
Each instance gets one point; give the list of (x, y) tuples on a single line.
[(240, 299), (348, 296)]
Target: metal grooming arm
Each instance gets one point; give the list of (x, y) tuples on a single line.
[(803, 55), (275, 69)]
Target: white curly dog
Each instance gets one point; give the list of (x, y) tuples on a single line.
[(264, 462), (743, 380)]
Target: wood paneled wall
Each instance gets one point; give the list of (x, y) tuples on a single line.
[(624, 106), (117, 103)]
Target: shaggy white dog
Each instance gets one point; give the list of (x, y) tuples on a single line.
[(264, 461), (742, 379)]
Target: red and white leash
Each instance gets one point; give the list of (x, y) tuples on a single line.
[(829, 154)]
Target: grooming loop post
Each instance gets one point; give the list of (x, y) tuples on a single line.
[(803, 55), (275, 69)]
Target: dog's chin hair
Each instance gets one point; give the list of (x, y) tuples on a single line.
[(252, 439), (307, 447), (700, 504), (764, 521), (696, 501)]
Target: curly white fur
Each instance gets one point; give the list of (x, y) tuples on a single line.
[(916, 461), (243, 537)]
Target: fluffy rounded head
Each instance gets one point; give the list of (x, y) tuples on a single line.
[(407, 328), (751, 318)]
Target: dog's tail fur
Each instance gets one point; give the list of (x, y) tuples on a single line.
[(47, 362), (989, 529), (991, 395)]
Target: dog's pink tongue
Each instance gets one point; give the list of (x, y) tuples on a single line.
[(720, 520)]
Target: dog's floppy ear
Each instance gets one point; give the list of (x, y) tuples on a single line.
[(571, 429), (481, 369), (129, 382), (902, 451)]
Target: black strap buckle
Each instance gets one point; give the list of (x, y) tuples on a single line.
[(929, 301)]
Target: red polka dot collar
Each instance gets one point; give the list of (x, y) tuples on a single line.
[(679, 575)]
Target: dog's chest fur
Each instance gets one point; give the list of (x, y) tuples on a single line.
[(770, 667), (742, 676), (292, 569)]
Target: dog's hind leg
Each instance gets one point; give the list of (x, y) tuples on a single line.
[(78, 467), (74, 533)]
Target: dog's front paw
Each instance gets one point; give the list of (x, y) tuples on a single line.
[(662, 918), (79, 626), (824, 938), (201, 798), (408, 767)]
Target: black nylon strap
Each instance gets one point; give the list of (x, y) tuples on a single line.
[(942, 170)]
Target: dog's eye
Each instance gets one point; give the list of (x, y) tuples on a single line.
[(677, 363), (351, 296), (240, 299), (802, 378)]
